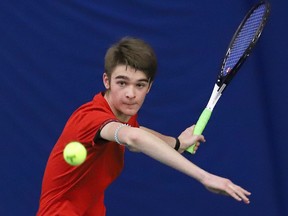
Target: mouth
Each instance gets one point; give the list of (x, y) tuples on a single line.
[(130, 104)]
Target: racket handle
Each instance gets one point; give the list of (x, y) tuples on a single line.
[(200, 126)]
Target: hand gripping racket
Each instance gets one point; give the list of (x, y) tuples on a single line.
[(241, 45)]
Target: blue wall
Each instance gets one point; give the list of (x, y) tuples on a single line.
[(51, 61)]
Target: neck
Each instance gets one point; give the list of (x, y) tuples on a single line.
[(120, 116)]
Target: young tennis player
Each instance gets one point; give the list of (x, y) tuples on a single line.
[(106, 126)]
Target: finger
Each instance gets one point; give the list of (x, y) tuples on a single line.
[(243, 194), (246, 192), (230, 191), (197, 144), (201, 138), (191, 128), (239, 193), (236, 197), (243, 197)]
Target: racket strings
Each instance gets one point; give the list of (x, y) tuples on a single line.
[(247, 34)]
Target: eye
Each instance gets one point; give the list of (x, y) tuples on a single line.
[(141, 85), (121, 83)]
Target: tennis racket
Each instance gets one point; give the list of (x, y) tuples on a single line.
[(241, 45)]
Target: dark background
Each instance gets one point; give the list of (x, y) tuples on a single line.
[(51, 61)]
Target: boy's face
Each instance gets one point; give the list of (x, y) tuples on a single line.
[(126, 91)]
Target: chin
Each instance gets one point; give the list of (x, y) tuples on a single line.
[(130, 112)]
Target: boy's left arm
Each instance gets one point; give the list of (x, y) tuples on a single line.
[(185, 138), (171, 141)]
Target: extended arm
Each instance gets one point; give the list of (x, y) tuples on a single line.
[(151, 145), (186, 138)]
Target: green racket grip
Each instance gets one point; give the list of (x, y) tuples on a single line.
[(200, 126)]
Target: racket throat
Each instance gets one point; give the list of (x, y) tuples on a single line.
[(216, 94)]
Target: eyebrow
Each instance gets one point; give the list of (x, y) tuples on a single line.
[(127, 78)]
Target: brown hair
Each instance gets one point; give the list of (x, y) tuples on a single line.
[(132, 52)]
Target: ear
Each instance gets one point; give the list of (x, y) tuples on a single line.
[(149, 87), (106, 81)]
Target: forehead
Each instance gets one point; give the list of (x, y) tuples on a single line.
[(127, 72)]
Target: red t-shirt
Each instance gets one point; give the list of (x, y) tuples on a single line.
[(79, 190)]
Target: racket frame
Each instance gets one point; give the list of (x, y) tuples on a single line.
[(223, 81)]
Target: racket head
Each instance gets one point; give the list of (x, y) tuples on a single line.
[(243, 41)]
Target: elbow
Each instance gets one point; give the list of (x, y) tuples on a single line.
[(134, 140)]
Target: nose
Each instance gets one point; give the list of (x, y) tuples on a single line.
[(130, 93)]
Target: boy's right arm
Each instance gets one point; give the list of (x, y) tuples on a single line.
[(149, 144)]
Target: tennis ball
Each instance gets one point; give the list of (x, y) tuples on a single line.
[(74, 153)]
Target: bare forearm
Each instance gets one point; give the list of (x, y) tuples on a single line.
[(137, 139), (157, 149), (167, 139)]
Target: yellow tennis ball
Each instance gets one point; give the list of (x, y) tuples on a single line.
[(74, 153)]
